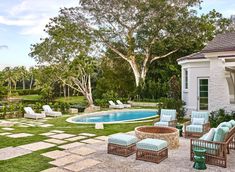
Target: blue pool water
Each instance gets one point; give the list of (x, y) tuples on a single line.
[(108, 117)]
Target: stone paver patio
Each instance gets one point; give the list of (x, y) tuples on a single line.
[(91, 141), (47, 134), (4, 134), (55, 169), (56, 141), (19, 135), (82, 151), (56, 154), (81, 165), (66, 160), (76, 138), (87, 134), (71, 145), (12, 152), (62, 136), (37, 146), (8, 129)]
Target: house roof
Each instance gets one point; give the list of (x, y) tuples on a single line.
[(222, 42), (193, 56)]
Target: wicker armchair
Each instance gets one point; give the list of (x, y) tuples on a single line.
[(171, 113), (216, 152), (192, 130)]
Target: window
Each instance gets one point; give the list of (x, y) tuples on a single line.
[(186, 78)]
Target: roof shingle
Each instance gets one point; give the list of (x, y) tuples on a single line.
[(222, 42)]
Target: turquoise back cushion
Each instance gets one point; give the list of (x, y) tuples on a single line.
[(170, 112), (232, 122), (204, 115), (225, 124), (220, 134)]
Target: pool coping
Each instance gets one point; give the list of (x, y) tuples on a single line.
[(70, 120)]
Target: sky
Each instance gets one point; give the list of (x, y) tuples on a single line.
[(22, 23)]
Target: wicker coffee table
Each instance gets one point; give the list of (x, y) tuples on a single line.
[(169, 134)]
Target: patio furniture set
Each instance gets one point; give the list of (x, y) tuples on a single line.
[(211, 148)]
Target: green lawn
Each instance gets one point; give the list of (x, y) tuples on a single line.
[(72, 100), (31, 97), (35, 162)]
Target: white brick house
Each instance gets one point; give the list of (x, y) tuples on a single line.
[(208, 77)]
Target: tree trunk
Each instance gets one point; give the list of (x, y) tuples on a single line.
[(23, 84), (64, 86), (31, 83), (136, 72), (68, 90)]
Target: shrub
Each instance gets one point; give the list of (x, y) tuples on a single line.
[(26, 92), (220, 116), (170, 103)]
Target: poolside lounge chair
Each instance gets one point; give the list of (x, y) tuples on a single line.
[(31, 114), (113, 105), (167, 118), (125, 105), (49, 112), (198, 126)]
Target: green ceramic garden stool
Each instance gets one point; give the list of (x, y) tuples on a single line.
[(199, 159), (180, 128)]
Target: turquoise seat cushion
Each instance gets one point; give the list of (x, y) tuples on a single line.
[(160, 123), (232, 122), (225, 124), (220, 134), (122, 139), (152, 144), (209, 136), (194, 128)]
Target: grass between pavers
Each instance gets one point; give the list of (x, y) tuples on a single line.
[(33, 162), (61, 124)]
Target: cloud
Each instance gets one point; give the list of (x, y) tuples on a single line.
[(3, 47), (31, 16)]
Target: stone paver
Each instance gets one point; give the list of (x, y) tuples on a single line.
[(55, 169), (19, 135), (46, 125), (82, 165), (37, 146), (91, 141), (104, 138), (62, 136), (4, 134), (47, 134), (57, 131), (66, 160), (87, 134), (12, 152), (56, 141), (71, 145), (76, 138), (8, 129), (55, 154), (82, 151)]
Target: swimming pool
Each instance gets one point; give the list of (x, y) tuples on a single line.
[(114, 116)]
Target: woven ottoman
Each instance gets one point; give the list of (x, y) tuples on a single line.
[(122, 144), (152, 150)]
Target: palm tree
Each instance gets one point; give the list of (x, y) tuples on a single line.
[(9, 78)]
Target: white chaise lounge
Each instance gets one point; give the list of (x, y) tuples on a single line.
[(113, 105), (49, 112), (125, 105), (31, 114)]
